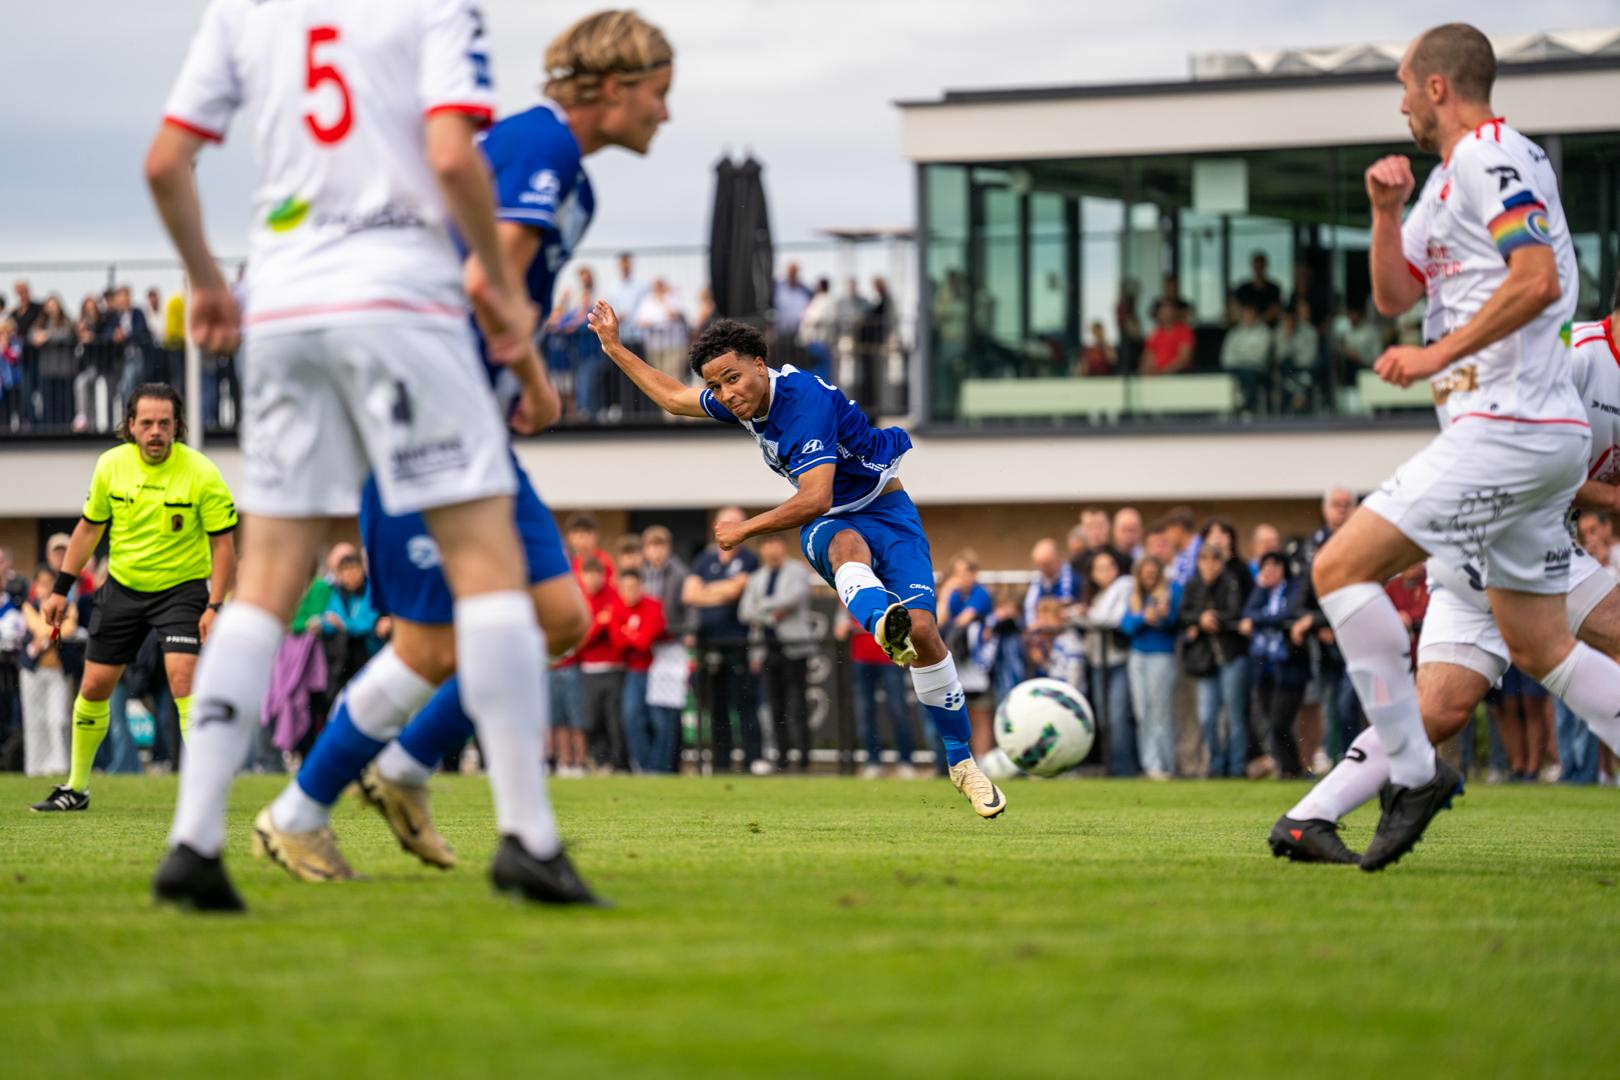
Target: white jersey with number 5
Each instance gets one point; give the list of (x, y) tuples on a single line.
[(1495, 195), (1597, 379), (349, 225)]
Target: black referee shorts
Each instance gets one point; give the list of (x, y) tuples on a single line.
[(122, 617)]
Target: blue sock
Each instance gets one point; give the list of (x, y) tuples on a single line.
[(440, 729), (939, 691), (340, 755), (863, 594)]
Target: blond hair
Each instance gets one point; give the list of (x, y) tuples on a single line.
[(617, 43)]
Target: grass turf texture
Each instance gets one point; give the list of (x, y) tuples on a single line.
[(827, 927)]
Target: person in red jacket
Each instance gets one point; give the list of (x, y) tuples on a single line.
[(640, 626), (601, 669)]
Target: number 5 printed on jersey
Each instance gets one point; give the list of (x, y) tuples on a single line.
[(317, 73)]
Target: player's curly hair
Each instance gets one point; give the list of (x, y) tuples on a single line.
[(162, 392), (618, 43), (726, 336)]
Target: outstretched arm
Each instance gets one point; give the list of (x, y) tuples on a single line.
[(813, 499), (667, 392)]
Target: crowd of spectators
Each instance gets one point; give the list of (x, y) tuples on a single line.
[(61, 370), (1203, 655), (1295, 351)]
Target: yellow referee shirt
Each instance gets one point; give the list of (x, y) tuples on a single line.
[(159, 517)]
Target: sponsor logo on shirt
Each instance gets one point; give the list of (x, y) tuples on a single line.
[(425, 459), (544, 187), (287, 215), (387, 216), (1458, 381), (812, 446), (177, 523), (423, 551), (1557, 561)]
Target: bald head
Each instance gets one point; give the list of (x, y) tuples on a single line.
[(1461, 55), (730, 515), (1046, 558)]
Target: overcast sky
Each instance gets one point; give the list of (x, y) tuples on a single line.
[(806, 85)]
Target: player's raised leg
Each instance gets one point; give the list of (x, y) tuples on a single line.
[(840, 544)]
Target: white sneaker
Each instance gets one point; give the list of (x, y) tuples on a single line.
[(986, 799), (871, 771), (905, 771), (761, 767), (1321, 764)]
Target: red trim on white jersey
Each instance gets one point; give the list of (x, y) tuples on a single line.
[(1608, 337), (1495, 124), (481, 113), (188, 126), (450, 310), (1598, 464), (1518, 419), (1417, 272)]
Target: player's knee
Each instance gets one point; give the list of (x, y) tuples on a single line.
[(430, 654), (1444, 715), (1329, 570)]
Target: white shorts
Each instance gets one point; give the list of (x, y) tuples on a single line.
[(1488, 498), (408, 401), (1460, 629)]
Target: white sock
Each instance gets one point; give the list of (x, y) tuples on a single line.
[(1377, 655), (378, 702), (233, 675), (385, 695), (295, 812), (397, 766), (500, 650), (1355, 780), (1589, 683)]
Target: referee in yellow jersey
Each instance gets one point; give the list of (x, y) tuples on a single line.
[(172, 560)]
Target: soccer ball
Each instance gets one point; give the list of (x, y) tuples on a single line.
[(1045, 726)]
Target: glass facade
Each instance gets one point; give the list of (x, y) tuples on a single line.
[(1125, 290)]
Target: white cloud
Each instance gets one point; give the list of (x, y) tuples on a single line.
[(806, 85)]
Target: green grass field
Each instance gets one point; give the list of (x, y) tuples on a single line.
[(829, 927)]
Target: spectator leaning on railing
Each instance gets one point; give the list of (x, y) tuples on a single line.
[(1246, 353), (713, 590), (968, 608), (1216, 654), (1107, 653), (601, 669), (1150, 623), (47, 694), (775, 606), (663, 576), (1281, 667), (637, 630), (54, 364)]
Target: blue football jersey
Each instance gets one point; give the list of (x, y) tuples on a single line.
[(539, 183), (809, 422)]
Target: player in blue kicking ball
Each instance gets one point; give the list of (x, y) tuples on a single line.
[(858, 527)]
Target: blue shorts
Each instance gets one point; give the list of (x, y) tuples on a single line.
[(891, 528), (1516, 683), (406, 579)]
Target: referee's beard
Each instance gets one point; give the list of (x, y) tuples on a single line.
[(155, 449)]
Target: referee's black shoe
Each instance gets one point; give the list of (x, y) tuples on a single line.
[(1407, 811), (1309, 840), (187, 878), (546, 881), (62, 798)]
